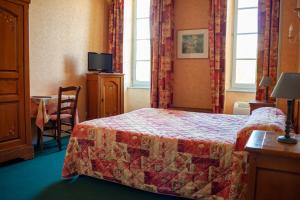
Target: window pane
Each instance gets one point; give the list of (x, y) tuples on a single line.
[(247, 3), (245, 72), (142, 29), (142, 72), (247, 21), (142, 8), (143, 50), (246, 46)]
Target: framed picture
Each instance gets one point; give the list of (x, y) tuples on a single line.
[(192, 43)]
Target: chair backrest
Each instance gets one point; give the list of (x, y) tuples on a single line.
[(67, 105)]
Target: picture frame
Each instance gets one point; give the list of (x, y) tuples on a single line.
[(192, 43)]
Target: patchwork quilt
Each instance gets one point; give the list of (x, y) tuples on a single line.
[(186, 154)]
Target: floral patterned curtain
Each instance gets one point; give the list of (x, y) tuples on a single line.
[(268, 39), (115, 26), (162, 43), (217, 38)]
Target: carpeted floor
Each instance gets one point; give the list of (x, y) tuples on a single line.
[(40, 178)]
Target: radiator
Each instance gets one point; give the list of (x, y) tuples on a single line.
[(241, 108)]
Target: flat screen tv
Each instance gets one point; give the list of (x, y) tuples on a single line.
[(101, 62)]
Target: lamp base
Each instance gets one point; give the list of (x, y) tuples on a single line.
[(287, 140)]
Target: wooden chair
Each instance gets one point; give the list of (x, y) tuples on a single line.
[(65, 115)]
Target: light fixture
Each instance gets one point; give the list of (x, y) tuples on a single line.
[(291, 32), (287, 87), (297, 9)]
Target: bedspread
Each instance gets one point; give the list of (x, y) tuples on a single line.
[(193, 155)]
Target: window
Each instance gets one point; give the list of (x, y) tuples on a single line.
[(141, 44), (245, 44)]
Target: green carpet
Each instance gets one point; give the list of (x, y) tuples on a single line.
[(40, 178)]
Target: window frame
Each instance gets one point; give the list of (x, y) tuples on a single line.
[(136, 83), (234, 85)]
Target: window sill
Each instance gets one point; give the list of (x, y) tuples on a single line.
[(139, 87), (243, 90)]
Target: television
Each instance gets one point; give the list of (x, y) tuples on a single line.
[(101, 62)]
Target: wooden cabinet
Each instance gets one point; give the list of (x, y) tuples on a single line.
[(274, 172), (15, 136), (105, 94)]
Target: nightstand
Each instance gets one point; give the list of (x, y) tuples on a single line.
[(274, 168), (254, 104)]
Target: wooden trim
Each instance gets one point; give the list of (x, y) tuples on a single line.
[(122, 93), (23, 151), (20, 1), (258, 143), (26, 77)]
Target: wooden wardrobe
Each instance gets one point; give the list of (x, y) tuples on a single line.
[(105, 94), (15, 131)]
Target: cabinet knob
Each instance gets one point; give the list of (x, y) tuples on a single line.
[(102, 100)]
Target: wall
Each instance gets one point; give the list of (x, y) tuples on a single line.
[(289, 60), (191, 76), (61, 34), (289, 49), (137, 98)]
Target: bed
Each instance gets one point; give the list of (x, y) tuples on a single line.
[(186, 154)]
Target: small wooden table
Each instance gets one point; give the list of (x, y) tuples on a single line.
[(274, 171), (254, 104), (43, 106)]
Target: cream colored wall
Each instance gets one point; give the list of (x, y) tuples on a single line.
[(137, 98), (191, 76), (231, 97), (61, 34), (289, 49)]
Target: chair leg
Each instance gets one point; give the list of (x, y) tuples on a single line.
[(38, 138), (39, 143), (58, 137)]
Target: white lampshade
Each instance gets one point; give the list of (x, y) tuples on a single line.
[(288, 86)]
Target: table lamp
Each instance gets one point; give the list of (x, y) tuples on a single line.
[(266, 82), (287, 87)]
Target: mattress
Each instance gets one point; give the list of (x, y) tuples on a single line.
[(186, 154)]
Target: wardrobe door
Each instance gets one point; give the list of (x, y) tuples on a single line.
[(12, 76), (110, 96)]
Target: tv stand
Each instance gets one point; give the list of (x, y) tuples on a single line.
[(105, 94)]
